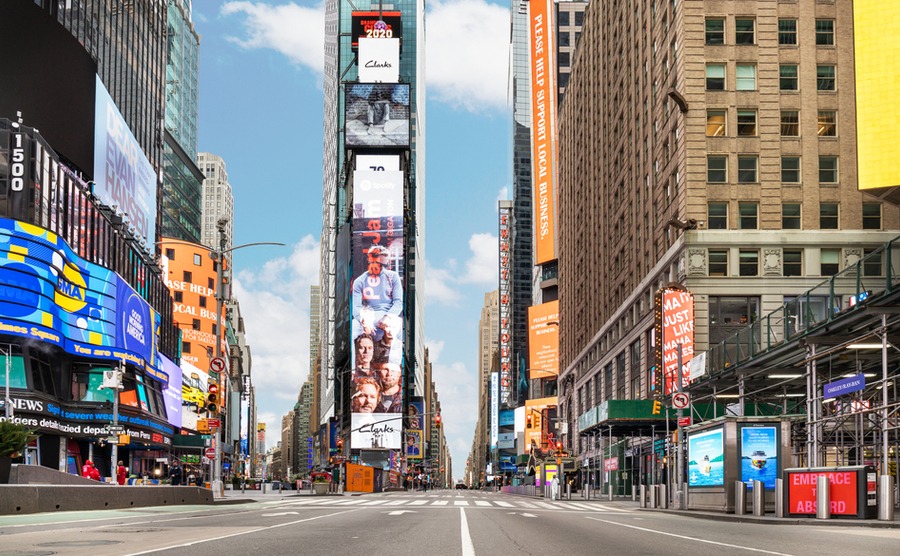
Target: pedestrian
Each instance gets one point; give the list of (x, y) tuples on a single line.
[(175, 474), (554, 488), (88, 471), (121, 473)]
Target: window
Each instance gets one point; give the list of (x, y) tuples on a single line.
[(715, 31), (871, 216), (828, 216), (579, 19), (718, 262), (715, 77), (827, 123), (788, 77), (748, 218), (748, 262), (744, 31), (86, 382), (829, 262), (717, 216), (17, 376), (732, 310), (563, 18), (790, 216), (872, 263), (745, 75), (746, 123), (179, 297), (198, 260), (747, 169), (787, 32), (210, 283), (563, 39), (563, 59), (828, 169), (195, 324), (790, 123), (825, 78), (717, 168), (715, 123), (170, 254), (42, 375), (793, 262), (188, 277), (824, 32), (790, 169), (203, 301), (186, 347)]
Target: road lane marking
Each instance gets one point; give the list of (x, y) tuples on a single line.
[(503, 504), (527, 505), (401, 512), (460, 503), (689, 538), (546, 505), (581, 506), (279, 513), (482, 503), (255, 530), (440, 502), (418, 502), (468, 549)]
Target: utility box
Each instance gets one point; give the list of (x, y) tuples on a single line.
[(853, 490)]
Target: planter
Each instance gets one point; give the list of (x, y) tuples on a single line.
[(320, 488), (5, 467)]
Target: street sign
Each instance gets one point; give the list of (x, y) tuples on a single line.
[(680, 400), (116, 429), (217, 364), (210, 453), (611, 464), (214, 423), (684, 421)]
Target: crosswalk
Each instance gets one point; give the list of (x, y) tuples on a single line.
[(438, 501)]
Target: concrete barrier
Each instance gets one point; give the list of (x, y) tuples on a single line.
[(28, 499)]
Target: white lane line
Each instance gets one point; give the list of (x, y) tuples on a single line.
[(460, 503), (503, 504), (608, 508), (689, 538), (373, 503), (418, 502), (255, 530), (527, 505), (396, 503), (349, 502), (546, 505), (581, 506), (468, 549), (482, 503), (440, 502)]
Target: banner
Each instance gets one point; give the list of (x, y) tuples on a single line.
[(706, 459), (543, 127), (675, 318), (543, 340), (379, 60), (505, 291)]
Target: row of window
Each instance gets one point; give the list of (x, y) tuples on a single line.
[(788, 77), (748, 123), (748, 216), (792, 262), (745, 31), (748, 169)]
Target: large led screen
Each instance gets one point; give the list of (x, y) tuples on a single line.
[(376, 400), (706, 459), (49, 293), (194, 386), (173, 392), (759, 455), (377, 115), (375, 25), (677, 316), (123, 177)]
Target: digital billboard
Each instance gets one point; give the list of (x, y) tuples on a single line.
[(377, 115), (505, 291), (49, 293), (759, 454), (543, 127), (537, 429), (543, 340), (173, 392), (414, 444), (123, 177), (194, 386), (378, 60), (675, 325), (375, 25), (377, 309), (706, 458)]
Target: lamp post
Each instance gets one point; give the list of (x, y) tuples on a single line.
[(7, 401), (218, 255)]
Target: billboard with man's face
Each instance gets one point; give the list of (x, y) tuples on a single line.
[(376, 393)]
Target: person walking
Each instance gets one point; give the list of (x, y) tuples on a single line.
[(121, 473), (175, 474), (88, 471)]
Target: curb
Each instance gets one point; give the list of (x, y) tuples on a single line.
[(778, 520)]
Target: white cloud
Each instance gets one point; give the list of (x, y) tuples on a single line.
[(274, 303), (467, 54), (503, 194), (442, 285), (457, 391), (298, 32), (482, 268)]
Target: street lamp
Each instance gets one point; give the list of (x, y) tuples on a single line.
[(7, 401), (218, 255)]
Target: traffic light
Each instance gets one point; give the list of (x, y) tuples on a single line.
[(212, 398), (437, 420), (528, 421), (657, 407), (559, 447)]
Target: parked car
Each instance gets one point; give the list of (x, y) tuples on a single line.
[(461, 486)]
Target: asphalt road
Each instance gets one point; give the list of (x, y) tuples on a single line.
[(422, 524)]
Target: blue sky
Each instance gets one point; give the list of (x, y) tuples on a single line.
[(261, 109)]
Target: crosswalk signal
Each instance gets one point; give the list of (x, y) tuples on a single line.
[(212, 398), (657, 407)]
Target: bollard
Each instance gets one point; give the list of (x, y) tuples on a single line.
[(886, 498), (654, 500), (568, 491), (610, 492), (643, 495), (823, 497), (779, 497), (243, 487), (759, 499), (663, 497), (740, 498)]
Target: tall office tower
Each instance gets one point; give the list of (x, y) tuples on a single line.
[(533, 283), (374, 134), (288, 437), (182, 184), (302, 430), (127, 41), (712, 145), (315, 374), (218, 200), (488, 340)]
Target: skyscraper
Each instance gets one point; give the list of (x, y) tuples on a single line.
[(218, 201)]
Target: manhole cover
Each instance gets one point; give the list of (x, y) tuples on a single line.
[(78, 544)]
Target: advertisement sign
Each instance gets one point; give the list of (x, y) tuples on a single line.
[(173, 391), (194, 387), (505, 340), (123, 177), (844, 386), (377, 307), (378, 162), (543, 340), (51, 294), (759, 455), (802, 491), (495, 389), (376, 431), (706, 459), (507, 418), (379, 60), (675, 320), (611, 464), (506, 440), (20, 179), (535, 413), (543, 127), (377, 115), (414, 444), (414, 411), (375, 25)]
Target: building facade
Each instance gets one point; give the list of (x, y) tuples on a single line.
[(218, 200)]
